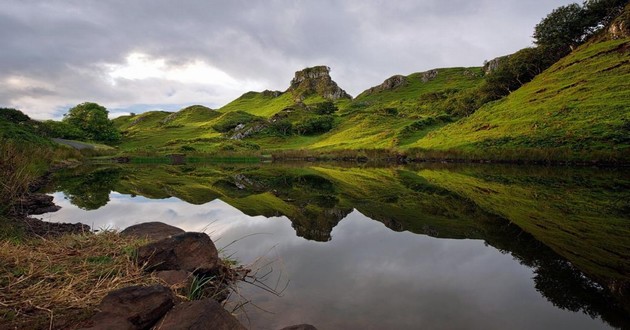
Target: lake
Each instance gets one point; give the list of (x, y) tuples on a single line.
[(389, 247)]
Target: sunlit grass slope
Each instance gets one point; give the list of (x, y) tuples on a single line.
[(190, 129), (581, 106), (389, 118)]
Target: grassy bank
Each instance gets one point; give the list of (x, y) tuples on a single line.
[(23, 163), (58, 282)]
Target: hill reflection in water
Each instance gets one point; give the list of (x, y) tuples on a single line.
[(359, 244)]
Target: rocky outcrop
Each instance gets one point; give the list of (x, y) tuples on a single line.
[(315, 80), (268, 93), (134, 307), (200, 314), (493, 64), (390, 83), (428, 75), (242, 131), (620, 27), (154, 231), (193, 252)]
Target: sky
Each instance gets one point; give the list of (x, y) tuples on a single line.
[(135, 56)]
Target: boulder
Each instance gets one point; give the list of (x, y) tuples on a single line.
[(300, 327), (199, 314), (193, 252), (174, 277), (154, 231), (134, 307)]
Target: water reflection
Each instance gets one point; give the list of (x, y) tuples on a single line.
[(567, 229)]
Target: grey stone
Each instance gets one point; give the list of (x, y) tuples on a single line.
[(198, 315), (193, 252), (134, 307), (154, 231)]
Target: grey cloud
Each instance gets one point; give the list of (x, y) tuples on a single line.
[(65, 44)]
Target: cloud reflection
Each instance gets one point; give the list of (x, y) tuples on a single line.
[(366, 277)]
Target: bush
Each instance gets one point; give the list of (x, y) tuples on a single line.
[(59, 129), (282, 127), (13, 115), (389, 111), (315, 125), (326, 108)]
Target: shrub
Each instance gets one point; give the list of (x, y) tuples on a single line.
[(326, 108), (315, 125)]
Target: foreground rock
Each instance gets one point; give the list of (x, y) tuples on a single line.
[(178, 278), (193, 252), (200, 314), (134, 307), (154, 231), (300, 327)]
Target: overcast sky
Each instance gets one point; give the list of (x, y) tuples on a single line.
[(133, 56)]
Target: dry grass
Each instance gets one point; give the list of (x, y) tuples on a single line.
[(57, 283), (46, 283)]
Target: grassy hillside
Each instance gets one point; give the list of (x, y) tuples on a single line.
[(386, 116), (264, 104), (188, 130), (577, 108)]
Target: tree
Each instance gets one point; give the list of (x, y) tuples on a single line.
[(60, 129), (326, 108), (599, 13), (564, 28), (92, 119), (13, 115)]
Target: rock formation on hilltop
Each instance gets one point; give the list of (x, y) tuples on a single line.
[(316, 80), (389, 84)]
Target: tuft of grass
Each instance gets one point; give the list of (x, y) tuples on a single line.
[(198, 287)]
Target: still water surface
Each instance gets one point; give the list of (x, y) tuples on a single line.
[(390, 248)]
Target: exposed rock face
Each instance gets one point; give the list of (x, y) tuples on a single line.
[(241, 131), (493, 64), (134, 307), (620, 27), (316, 80), (154, 231), (200, 314), (269, 93), (193, 252), (429, 75), (389, 84)]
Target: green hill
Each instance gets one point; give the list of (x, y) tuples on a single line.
[(577, 108)]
